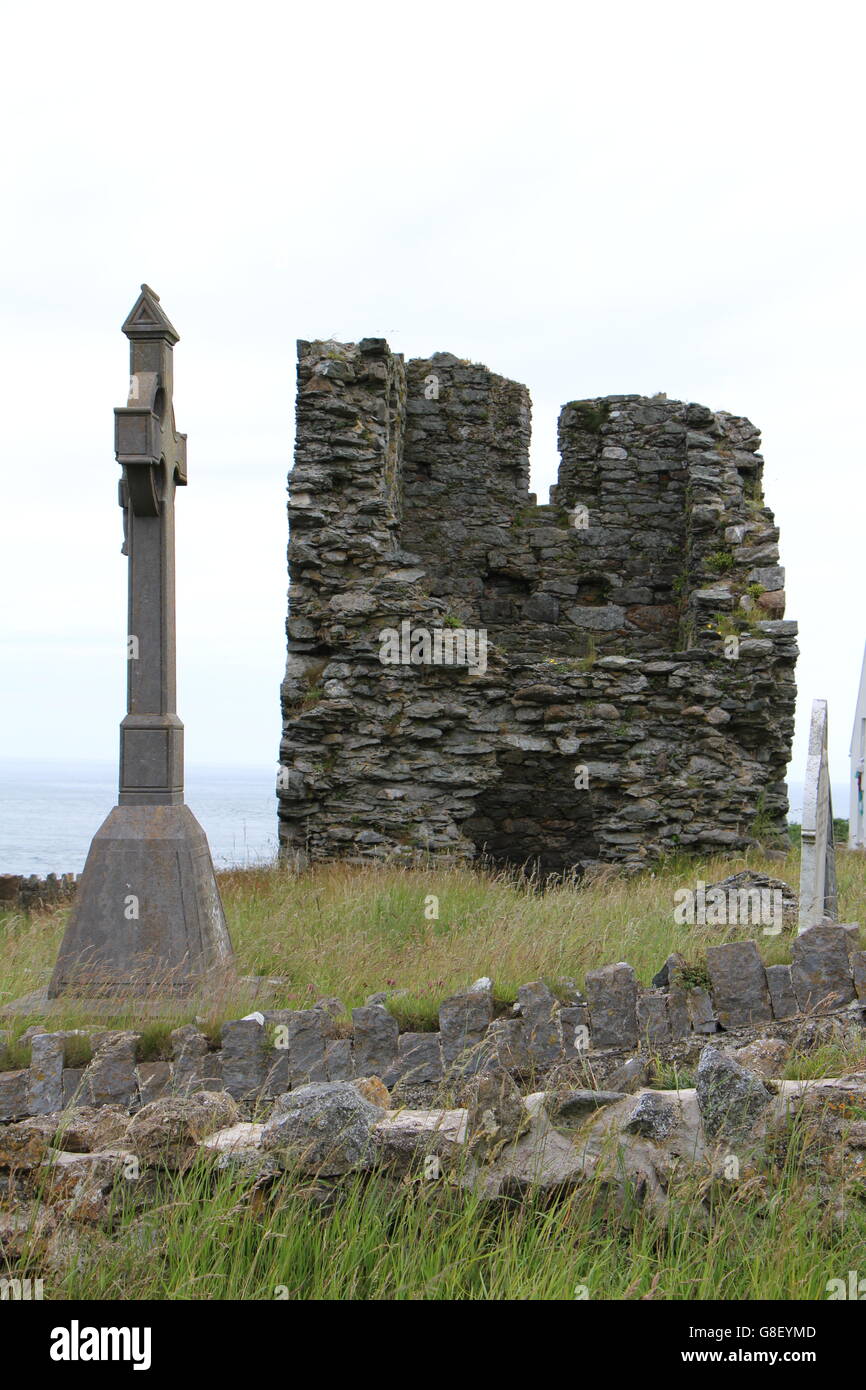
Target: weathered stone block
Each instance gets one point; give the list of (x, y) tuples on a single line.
[(154, 1080), (276, 1080), (782, 997), (209, 1073), (25, 1145), (243, 1057), (374, 1045), (463, 1022), (822, 971), (188, 1041), (612, 995), (653, 1023), (653, 1116), (339, 1064), (110, 1078), (700, 1010), (189, 1050), (45, 1075), (306, 1046), (767, 1057), (665, 978), (541, 608), (277, 1017), (168, 1131), (678, 1013), (505, 1044), (739, 984), (629, 1076), (325, 1128), (406, 1138), (730, 1098), (495, 1113), (540, 1013), (574, 1022), (419, 1058), (13, 1095), (73, 1086), (92, 1129)]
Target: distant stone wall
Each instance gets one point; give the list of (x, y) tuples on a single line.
[(638, 687), (31, 891), (593, 1031)]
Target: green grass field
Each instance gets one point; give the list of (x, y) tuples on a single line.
[(347, 931), (766, 1238)]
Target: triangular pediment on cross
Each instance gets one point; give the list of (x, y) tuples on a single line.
[(147, 320)]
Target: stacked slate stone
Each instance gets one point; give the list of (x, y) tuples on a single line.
[(609, 615), (604, 1036), (32, 892)]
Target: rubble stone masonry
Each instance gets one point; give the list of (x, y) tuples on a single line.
[(603, 678)]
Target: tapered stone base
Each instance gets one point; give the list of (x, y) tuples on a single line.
[(147, 917)]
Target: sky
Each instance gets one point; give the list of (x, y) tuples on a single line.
[(589, 198)]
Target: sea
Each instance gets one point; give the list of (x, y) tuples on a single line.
[(49, 812)]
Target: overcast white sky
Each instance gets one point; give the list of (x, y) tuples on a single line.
[(590, 198)]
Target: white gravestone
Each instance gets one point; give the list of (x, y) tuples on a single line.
[(818, 857), (856, 827)]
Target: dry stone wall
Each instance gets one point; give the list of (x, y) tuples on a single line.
[(636, 692), (606, 1033), (31, 892)]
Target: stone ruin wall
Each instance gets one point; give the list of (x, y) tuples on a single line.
[(609, 641)]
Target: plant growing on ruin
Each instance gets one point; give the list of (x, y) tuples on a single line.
[(15, 1054), (753, 494), (761, 822), (692, 976), (589, 416), (686, 634), (724, 625), (670, 1077), (679, 585), (78, 1051)]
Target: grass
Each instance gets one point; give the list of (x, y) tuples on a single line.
[(830, 1059), (212, 1235), (348, 931), (720, 561)]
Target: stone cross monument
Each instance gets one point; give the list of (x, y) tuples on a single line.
[(147, 917), (818, 902)]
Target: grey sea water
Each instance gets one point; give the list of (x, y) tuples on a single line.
[(49, 812)]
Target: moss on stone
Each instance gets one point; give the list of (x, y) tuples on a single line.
[(590, 415)]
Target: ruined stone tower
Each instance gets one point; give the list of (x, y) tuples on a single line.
[(636, 692)]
